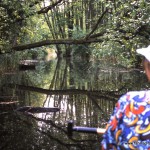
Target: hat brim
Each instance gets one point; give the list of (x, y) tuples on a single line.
[(144, 52)]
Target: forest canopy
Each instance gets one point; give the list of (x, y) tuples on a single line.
[(108, 27), (97, 40)]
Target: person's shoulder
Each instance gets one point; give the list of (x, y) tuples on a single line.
[(138, 96), (138, 92)]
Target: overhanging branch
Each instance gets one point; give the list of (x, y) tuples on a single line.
[(50, 42), (46, 9), (96, 25)]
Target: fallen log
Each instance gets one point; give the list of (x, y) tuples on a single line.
[(26, 67), (8, 103), (29, 62), (8, 106), (31, 109), (49, 42), (108, 95)]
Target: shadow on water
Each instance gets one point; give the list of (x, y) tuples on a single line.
[(85, 92)]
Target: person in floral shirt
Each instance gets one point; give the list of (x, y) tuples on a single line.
[(129, 124)]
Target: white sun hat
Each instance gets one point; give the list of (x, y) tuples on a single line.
[(145, 52)]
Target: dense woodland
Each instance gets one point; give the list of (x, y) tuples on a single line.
[(84, 35), (107, 28)]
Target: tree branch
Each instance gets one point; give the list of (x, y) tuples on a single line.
[(98, 34), (49, 42), (96, 25), (111, 95), (37, 109), (46, 9)]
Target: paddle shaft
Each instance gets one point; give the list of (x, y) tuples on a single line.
[(83, 129)]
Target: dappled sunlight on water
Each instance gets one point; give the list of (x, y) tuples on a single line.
[(85, 92)]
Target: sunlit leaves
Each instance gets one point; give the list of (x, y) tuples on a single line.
[(126, 22)]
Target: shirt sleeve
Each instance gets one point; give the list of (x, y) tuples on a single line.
[(110, 138), (129, 124)]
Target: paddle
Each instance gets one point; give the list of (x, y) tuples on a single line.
[(70, 129)]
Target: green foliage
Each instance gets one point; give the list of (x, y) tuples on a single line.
[(78, 33), (11, 16), (127, 28), (126, 24), (36, 30)]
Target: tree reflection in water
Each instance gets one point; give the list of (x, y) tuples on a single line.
[(85, 92)]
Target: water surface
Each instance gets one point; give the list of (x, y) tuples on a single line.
[(85, 92)]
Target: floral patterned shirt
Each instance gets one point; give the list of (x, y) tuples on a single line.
[(129, 124)]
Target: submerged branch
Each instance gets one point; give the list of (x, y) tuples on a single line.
[(108, 95), (47, 91)]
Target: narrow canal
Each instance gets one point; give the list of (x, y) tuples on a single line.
[(84, 91)]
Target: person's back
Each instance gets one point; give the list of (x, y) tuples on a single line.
[(129, 125)]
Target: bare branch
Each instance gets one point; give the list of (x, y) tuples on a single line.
[(46, 9), (96, 25), (111, 95), (31, 109), (49, 42)]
